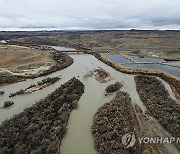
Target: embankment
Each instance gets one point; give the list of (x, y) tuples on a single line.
[(173, 81)]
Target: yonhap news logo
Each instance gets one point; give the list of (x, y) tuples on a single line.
[(129, 140)]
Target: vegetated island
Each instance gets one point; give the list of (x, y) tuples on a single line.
[(121, 117), (35, 87), (161, 106), (7, 104), (111, 122), (2, 92), (40, 128), (114, 87)]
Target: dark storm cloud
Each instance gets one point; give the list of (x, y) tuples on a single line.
[(90, 14)]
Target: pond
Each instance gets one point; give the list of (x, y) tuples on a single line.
[(169, 69), (176, 63), (139, 59), (118, 58)]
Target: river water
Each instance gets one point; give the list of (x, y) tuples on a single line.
[(78, 139)]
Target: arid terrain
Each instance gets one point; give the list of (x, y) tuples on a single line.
[(18, 63), (62, 92), (21, 60), (164, 44)]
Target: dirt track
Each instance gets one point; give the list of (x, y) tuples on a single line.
[(38, 63), (19, 59)]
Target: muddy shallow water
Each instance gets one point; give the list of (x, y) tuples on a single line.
[(78, 139)]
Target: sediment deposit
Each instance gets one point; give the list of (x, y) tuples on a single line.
[(100, 75), (35, 87), (40, 128)]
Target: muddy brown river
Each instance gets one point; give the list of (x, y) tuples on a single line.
[(78, 139)]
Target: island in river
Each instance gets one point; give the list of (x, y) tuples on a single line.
[(143, 102)]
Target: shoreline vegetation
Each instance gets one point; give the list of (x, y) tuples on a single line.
[(113, 87), (161, 106), (2, 92), (35, 87), (7, 104), (173, 81), (40, 128), (111, 122), (62, 61)]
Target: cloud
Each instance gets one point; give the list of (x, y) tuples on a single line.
[(90, 14)]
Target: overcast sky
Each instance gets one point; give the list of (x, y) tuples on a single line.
[(90, 14)]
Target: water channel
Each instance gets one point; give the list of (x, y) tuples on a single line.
[(78, 139)]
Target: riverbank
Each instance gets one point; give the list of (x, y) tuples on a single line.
[(61, 61), (21, 60), (173, 81), (40, 128)]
